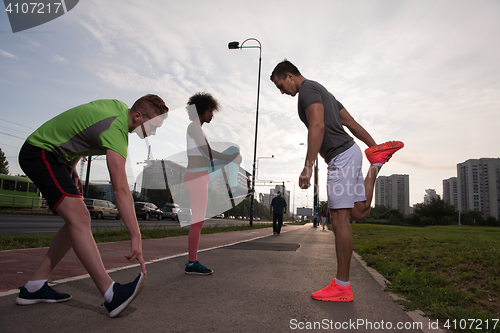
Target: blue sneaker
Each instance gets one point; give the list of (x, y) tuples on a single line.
[(44, 295), (124, 294), (197, 268)]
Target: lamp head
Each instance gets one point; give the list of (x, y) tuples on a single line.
[(233, 45)]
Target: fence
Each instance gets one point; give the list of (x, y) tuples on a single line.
[(17, 201)]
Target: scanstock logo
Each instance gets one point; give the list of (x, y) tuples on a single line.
[(25, 15)]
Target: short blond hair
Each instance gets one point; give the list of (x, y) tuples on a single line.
[(150, 106)]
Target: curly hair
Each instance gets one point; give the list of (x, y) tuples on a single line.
[(283, 68), (150, 106), (203, 102)]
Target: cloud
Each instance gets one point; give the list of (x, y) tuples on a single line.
[(7, 54), (423, 72), (60, 59)]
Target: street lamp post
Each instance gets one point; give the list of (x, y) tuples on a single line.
[(293, 209), (233, 46)]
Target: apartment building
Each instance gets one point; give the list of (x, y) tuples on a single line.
[(393, 191), (478, 183)]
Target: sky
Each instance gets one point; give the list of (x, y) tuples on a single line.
[(423, 72)]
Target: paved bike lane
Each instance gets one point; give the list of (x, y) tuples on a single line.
[(261, 283)]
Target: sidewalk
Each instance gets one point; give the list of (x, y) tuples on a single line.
[(259, 285)]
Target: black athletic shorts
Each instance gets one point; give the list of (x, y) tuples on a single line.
[(50, 173)]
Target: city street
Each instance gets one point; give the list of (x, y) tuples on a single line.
[(261, 283), (20, 224)]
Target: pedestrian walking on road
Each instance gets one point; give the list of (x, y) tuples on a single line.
[(49, 158), (323, 216), (348, 194), (277, 209)]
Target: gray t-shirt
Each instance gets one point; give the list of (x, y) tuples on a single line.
[(335, 139), (278, 203)]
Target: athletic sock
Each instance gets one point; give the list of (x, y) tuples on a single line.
[(378, 164), (342, 283), (33, 286), (108, 296)]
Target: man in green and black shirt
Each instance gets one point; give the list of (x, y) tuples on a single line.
[(49, 158)]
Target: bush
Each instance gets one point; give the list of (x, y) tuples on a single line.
[(491, 221), (435, 210), (449, 220), (472, 217)]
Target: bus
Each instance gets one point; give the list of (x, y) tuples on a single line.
[(18, 192)]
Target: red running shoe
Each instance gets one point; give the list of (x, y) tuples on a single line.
[(334, 293), (383, 152)]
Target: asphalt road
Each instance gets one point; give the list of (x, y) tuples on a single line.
[(18, 224), (262, 284)]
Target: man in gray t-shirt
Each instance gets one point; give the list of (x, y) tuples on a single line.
[(349, 195), (335, 138)]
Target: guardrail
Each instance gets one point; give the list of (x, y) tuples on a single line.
[(17, 201)]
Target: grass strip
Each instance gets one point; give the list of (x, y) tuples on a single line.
[(452, 273), (105, 236)]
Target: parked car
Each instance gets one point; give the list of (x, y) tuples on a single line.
[(219, 216), (184, 215), (146, 210), (170, 211), (101, 208)]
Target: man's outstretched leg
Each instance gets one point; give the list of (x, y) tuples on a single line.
[(377, 156), (76, 233), (116, 296), (75, 214), (37, 289)]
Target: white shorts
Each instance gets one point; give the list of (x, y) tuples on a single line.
[(345, 184)]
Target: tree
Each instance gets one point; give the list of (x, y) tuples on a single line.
[(243, 209), (491, 221), (379, 212), (435, 210), (159, 197), (4, 165), (94, 192), (159, 194), (472, 217)]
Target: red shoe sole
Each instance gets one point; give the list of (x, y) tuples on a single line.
[(336, 299), (384, 146)]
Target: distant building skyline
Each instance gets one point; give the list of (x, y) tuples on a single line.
[(430, 193), (478, 186), (450, 191), (169, 175), (265, 198), (393, 191)]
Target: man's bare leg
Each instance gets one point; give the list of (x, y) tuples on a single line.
[(339, 290), (362, 208), (76, 233), (378, 154), (59, 247), (343, 241)]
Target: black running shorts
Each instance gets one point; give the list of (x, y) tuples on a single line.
[(50, 173)]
